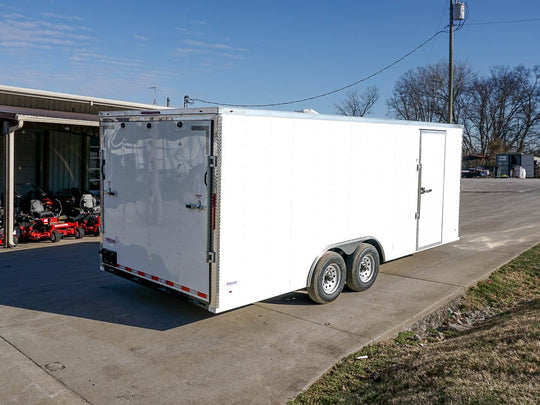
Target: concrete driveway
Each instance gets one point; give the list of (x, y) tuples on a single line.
[(72, 334)]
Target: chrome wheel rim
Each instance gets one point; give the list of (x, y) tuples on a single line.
[(366, 268), (330, 279)]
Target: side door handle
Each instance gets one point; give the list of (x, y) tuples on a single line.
[(423, 190)]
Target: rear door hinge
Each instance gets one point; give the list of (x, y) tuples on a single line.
[(416, 215), (211, 257), (212, 161)]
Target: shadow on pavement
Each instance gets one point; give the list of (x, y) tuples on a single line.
[(299, 297), (293, 298), (66, 280)]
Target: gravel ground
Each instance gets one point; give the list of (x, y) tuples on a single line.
[(450, 318)]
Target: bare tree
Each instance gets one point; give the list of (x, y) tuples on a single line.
[(499, 113), (504, 112), (358, 104), (422, 94)]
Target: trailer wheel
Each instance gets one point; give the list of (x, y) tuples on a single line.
[(79, 233), (328, 278), (55, 236), (362, 267)]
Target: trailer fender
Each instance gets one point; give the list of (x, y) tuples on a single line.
[(345, 249)]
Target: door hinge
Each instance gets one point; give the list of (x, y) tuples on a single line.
[(416, 215), (211, 257), (212, 161), (418, 167)]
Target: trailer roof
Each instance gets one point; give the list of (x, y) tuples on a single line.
[(266, 113)]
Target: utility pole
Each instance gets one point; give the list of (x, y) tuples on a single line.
[(451, 66), (457, 12)]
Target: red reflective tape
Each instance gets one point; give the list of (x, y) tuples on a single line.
[(202, 295), (184, 288), (128, 268), (155, 278), (169, 283), (141, 273)]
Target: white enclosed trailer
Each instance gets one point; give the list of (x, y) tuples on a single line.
[(233, 206)]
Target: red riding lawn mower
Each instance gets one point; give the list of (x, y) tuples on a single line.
[(88, 215), (42, 223)]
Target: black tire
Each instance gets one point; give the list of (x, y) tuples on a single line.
[(362, 267), (55, 236), (328, 278), (79, 233)]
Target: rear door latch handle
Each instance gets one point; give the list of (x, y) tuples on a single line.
[(109, 191), (423, 190), (198, 206)]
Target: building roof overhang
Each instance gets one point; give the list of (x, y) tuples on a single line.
[(11, 113)]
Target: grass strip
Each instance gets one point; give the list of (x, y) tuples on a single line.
[(493, 361)]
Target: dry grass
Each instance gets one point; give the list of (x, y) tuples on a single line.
[(495, 362)]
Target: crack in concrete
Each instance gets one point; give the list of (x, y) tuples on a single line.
[(423, 279), (313, 322), (44, 370)]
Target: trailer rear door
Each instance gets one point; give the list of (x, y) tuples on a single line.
[(431, 188), (155, 200)]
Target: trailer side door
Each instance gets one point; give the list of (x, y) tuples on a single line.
[(430, 188)]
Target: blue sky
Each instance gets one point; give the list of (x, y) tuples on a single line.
[(248, 52)]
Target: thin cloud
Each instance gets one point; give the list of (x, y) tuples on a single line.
[(27, 33), (231, 56), (186, 51), (199, 51), (217, 46), (214, 49), (62, 17), (22, 44), (14, 16), (93, 58), (188, 31), (140, 37)]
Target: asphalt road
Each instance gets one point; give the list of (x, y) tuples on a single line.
[(72, 334)]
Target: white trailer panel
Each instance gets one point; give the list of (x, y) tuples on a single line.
[(235, 206)]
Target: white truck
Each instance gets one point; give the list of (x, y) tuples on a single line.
[(232, 206)]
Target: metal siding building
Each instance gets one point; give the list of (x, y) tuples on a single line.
[(57, 147)]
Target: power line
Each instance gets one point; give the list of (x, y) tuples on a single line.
[(505, 22), (444, 30), (332, 91)]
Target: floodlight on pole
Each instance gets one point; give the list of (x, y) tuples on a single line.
[(188, 100)]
